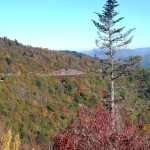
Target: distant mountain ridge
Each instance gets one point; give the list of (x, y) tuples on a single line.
[(143, 52)]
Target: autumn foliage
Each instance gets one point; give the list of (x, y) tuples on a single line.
[(93, 131)]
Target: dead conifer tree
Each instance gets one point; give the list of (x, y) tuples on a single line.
[(111, 40)]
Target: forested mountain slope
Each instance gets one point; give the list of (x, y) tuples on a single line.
[(41, 89)]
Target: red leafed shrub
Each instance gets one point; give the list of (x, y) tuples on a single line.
[(36, 114), (51, 116), (62, 142), (93, 130), (82, 91), (64, 110)]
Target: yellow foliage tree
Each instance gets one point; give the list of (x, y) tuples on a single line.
[(7, 142), (16, 142)]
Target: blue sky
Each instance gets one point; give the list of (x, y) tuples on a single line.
[(66, 24)]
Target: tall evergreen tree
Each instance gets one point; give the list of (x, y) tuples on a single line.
[(111, 40)]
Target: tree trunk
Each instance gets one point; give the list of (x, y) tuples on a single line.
[(112, 87), (112, 92)]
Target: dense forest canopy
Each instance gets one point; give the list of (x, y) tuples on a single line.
[(41, 105)]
